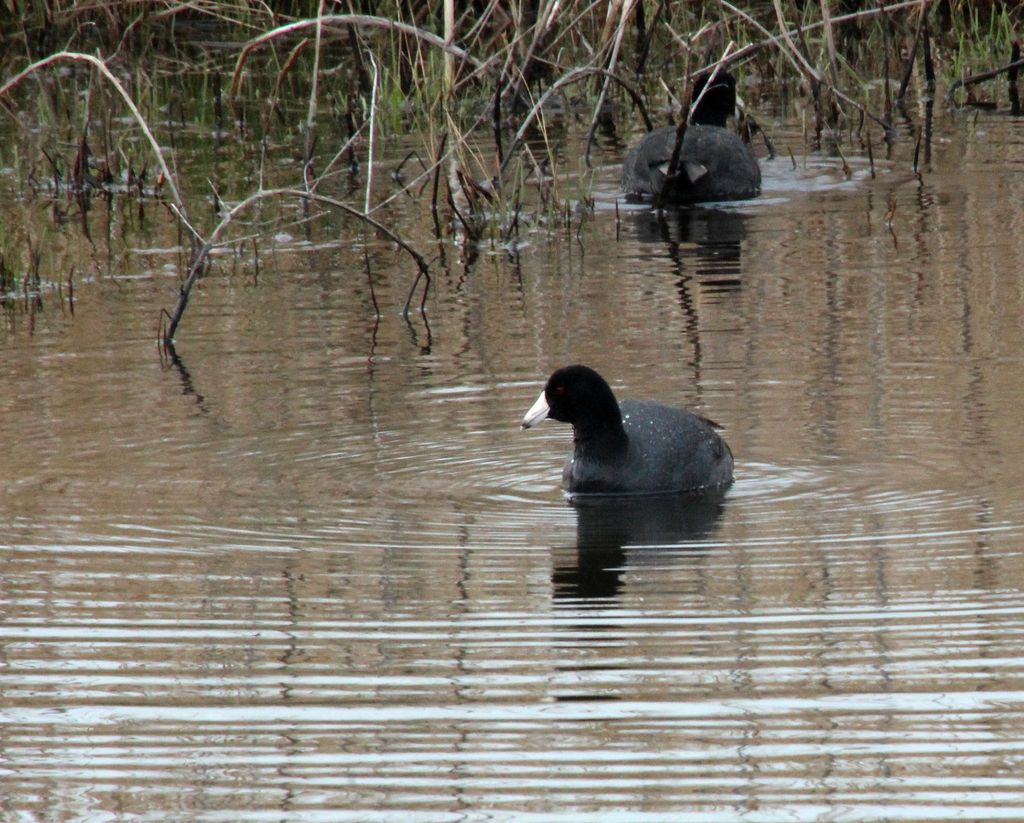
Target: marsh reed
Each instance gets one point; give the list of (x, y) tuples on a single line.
[(485, 87)]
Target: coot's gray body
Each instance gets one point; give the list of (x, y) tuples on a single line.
[(632, 447), (713, 164)]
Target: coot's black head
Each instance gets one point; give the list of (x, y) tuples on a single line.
[(577, 395), (718, 102)]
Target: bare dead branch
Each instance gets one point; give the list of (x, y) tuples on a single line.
[(198, 263)]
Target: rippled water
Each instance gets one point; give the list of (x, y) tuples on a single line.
[(312, 570)]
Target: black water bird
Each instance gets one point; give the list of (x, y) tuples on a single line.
[(632, 447), (714, 163)]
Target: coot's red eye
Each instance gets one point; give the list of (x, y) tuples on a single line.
[(559, 390)]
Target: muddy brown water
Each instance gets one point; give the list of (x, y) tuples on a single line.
[(312, 570)]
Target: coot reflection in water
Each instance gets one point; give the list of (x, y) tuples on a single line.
[(645, 525), (711, 238)]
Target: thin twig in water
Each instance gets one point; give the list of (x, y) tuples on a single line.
[(847, 171), (311, 109), (369, 280), (370, 147), (908, 67), (973, 79), (328, 169), (202, 254), (437, 180), (673, 164), (496, 122)]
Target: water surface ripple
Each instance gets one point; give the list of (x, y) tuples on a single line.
[(311, 570)]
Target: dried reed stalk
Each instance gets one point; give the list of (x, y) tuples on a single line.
[(625, 11)]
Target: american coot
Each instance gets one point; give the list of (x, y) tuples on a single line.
[(632, 447), (714, 163)]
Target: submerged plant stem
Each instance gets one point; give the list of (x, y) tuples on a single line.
[(200, 258), (101, 67)]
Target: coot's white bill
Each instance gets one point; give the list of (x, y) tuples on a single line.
[(537, 413)]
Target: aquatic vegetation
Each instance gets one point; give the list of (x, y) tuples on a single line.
[(481, 98)]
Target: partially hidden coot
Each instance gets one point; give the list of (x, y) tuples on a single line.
[(714, 163), (632, 447)]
